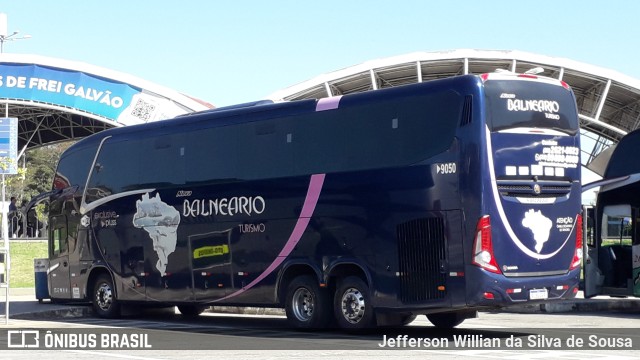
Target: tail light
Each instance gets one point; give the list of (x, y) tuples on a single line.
[(577, 255), (483, 247)]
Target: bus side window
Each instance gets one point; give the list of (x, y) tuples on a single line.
[(59, 244), (117, 169)]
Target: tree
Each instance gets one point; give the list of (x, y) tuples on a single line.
[(37, 176), (34, 177)]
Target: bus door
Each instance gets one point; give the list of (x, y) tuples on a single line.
[(593, 278), (617, 237), (58, 273)]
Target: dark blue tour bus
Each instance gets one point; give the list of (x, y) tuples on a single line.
[(439, 198)]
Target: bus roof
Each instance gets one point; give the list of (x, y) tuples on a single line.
[(507, 75), (262, 110)]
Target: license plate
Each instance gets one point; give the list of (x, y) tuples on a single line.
[(538, 294)]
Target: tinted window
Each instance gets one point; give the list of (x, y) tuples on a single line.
[(264, 149), (361, 134), (319, 142), (117, 169), (211, 154), (59, 242), (366, 135), (73, 168), (387, 133), (514, 104), (161, 160), (405, 131), (254, 150)]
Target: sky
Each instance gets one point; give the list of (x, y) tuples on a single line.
[(229, 52)]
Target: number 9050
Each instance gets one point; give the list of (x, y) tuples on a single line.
[(447, 168)]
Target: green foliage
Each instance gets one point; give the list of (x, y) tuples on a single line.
[(22, 255), (41, 213), (5, 162), (35, 176)]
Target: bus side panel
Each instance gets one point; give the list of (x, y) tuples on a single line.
[(131, 254), (209, 245), (358, 224)]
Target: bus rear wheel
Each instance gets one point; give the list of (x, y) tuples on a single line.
[(104, 301), (307, 305), (352, 304)]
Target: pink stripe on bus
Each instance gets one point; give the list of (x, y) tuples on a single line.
[(329, 103)]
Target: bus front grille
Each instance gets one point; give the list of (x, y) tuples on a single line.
[(528, 189), (422, 253)]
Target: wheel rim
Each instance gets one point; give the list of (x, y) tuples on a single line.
[(104, 296), (303, 304), (353, 305)]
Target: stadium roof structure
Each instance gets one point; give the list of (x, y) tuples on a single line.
[(58, 100), (608, 101)]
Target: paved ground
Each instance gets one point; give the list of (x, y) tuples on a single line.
[(24, 306), (240, 333)]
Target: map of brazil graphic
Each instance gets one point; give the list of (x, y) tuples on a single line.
[(539, 225), (161, 222)]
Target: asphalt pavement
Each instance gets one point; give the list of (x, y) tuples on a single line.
[(24, 306)]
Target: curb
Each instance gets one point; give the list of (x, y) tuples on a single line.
[(246, 310), (601, 305), (578, 305), (67, 313), (86, 311)]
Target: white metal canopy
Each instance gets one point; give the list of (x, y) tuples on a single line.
[(608, 101)]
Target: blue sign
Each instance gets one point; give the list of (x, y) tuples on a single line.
[(8, 145), (68, 88)]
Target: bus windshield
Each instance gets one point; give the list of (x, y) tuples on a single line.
[(527, 104)]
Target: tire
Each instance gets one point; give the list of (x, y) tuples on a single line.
[(307, 305), (104, 301), (352, 304), (191, 310), (446, 320)]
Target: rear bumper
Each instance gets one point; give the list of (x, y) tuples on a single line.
[(497, 290)]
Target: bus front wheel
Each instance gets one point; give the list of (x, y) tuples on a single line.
[(104, 301), (307, 305), (352, 304)]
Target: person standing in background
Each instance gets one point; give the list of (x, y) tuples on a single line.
[(12, 217)]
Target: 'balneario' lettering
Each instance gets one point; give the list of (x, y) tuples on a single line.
[(533, 105), (225, 206)]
